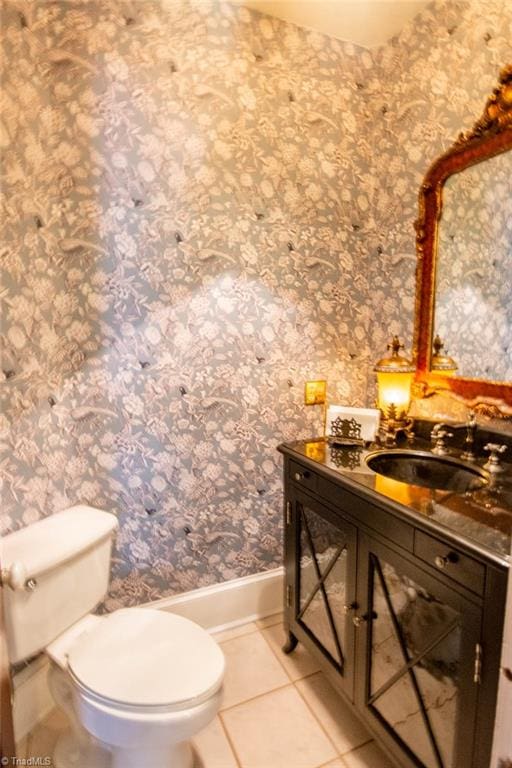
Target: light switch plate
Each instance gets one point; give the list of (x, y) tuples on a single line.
[(315, 392)]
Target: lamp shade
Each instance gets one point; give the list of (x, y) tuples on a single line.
[(394, 378)]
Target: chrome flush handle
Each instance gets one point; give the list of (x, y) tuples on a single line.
[(15, 577)]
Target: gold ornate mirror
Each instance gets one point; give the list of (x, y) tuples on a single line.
[(464, 268)]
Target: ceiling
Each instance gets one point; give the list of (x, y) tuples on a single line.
[(366, 22)]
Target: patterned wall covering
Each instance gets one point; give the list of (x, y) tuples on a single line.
[(203, 208), (180, 258), (473, 309)]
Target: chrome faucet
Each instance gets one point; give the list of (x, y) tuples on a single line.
[(441, 431), (493, 464), (437, 436)]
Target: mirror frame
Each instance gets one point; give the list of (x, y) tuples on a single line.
[(490, 136)]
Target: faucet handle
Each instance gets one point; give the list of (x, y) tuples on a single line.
[(494, 465), (437, 436)]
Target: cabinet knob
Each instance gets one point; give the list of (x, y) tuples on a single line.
[(358, 620), (442, 561), (348, 608), (298, 476)]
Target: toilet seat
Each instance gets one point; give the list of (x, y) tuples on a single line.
[(146, 660)]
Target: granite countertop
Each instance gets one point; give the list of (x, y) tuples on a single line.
[(481, 519)]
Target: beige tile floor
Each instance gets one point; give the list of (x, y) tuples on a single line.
[(278, 712)]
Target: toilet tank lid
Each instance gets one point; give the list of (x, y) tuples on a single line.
[(55, 539)]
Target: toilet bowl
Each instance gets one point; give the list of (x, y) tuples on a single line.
[(137, 685)]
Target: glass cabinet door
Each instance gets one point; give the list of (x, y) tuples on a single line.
[(419, 655), (326, 584)]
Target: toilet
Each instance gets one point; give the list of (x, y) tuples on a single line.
[(136, 684)]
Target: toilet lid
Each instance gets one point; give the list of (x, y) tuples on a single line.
[(148, 658)]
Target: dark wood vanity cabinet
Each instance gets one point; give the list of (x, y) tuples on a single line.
[(321, 566), (417, 653), (412, 642)]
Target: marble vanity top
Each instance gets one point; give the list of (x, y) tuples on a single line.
[(481, 519)]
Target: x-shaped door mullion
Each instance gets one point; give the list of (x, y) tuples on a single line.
[(322, 579), (405, 654), (412, 662), (321, 586)]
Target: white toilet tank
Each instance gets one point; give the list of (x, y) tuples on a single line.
[(54, 572)]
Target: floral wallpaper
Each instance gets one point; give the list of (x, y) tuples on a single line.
[(473, 310), (202, 208), (179, 259)]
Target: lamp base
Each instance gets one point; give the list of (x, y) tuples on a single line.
[(391, 430)]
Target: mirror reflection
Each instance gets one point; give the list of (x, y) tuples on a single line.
[(473, 298)]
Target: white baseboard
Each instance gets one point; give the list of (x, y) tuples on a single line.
[(230, 603), (214, 608)]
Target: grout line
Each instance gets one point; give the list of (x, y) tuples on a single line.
[(338, 759), (317, 718), (277, 656), (258, 696), (310, 674), (261, 695), (224, 727), (359, 746), (280, 660)]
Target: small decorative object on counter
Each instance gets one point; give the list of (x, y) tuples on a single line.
[(351, 426), (394, 378)]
